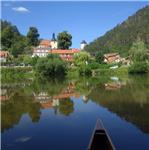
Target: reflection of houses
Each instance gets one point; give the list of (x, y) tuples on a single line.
[(3, 56), (112, 58), (47, 101), (114, 85), (3, 95)]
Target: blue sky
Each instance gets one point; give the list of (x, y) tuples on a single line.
[(84, 20)]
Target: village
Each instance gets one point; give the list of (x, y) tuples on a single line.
[(46, 47)]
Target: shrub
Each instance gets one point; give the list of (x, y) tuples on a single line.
[(51, 67), (139, 68), (100, 57), (85, 70), (94, 65)]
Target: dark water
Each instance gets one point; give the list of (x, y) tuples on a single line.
[(61, 115)]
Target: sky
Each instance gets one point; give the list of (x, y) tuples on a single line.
[(83, 20)]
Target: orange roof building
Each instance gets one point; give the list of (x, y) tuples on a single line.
[(66, 55), (112, 58), (42, 50), (45, 44), (3, 56)]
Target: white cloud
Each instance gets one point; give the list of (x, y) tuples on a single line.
[(20, 9)]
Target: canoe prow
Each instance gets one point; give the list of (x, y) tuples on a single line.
[(100, 139)]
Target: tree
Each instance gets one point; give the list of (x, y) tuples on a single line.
[(64, 40), (12, 40), (33, 36), (9, 34), (27, 59), (139, 68), (100, 57), (51, 67), (138, 51), (18, 47), (82, 58)]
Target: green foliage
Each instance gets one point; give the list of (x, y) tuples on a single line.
[(99, 57), (120, 38), (27, 60), (14, 72), (12, 40), (18, 47), (64, 40), (81, 58), (53, 56), (139, 68), (94, 65), (32, 36), (51, 67), (9, 34), (34, 60), (138, 51), (85, 70)]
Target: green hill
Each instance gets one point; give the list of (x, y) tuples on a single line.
[(120, 38)]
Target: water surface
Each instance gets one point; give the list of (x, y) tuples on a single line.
[(61, 115)]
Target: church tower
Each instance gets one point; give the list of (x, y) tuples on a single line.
[(53, 42), (83, 44)]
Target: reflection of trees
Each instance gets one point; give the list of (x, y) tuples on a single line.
[(66, 107), (131, 102), (13, 109), (52, 87)]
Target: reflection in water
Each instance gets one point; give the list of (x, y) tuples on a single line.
[(128, 98), (131, 102), (23, 139)]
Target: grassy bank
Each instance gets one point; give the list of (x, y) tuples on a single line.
[(19, 73), (121, 71)]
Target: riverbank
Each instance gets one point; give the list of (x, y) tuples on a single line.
[(21, 73)]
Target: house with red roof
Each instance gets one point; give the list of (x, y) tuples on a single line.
[(66, 55), (3, 56), (112, 58), (42, 50)]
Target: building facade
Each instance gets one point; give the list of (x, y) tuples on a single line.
[(66, 55), (42, 50), (112, 58)]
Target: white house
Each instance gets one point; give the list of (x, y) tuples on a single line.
[(42, 50)]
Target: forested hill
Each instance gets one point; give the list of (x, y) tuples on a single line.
[(120, 38)]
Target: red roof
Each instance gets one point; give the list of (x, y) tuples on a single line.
[(60, 51), (111, 55), (46, 43)]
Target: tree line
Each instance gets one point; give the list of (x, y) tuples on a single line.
[(16, 43)]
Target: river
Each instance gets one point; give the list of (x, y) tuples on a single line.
[(61, 114)]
